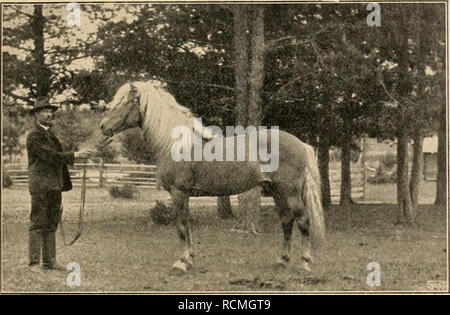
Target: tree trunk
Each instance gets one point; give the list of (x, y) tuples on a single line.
[(406, 211), (224, 207), (346, 179), (323, 160), (241, 73), (417, 168), (441, 183), (251, 200), (41, 73), (242, 64), (418, 162), (257, 67)]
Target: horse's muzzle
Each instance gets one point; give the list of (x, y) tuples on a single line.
[(106, 131)]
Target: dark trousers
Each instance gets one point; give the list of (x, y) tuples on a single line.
[(44, 219), (45, 211)]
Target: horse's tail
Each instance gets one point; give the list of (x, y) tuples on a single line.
[(312, 200)]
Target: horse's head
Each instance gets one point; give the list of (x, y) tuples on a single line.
[(123, 111)]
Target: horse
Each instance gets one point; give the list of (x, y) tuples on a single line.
[(294, 184)]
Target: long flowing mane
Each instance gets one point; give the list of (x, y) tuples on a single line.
[(161, 113)]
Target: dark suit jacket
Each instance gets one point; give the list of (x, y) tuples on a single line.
[(47, 163)]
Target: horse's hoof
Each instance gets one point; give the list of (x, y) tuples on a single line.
[(177, 272), (305, 266), (178, 269), (307, 257), (281, 264), (188, 263)]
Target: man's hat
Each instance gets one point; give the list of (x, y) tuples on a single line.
[(43, 103)]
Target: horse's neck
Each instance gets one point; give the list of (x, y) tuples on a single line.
[(160, 138), (162, 144), (162, 117)]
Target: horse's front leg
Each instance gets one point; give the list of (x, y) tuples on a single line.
[(180, 202)]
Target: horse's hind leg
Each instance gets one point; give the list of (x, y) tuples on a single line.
[(303, 225), (180, 202), (298, 209), (287, 221)]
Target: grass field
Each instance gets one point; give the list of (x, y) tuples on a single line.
[(121, 249)]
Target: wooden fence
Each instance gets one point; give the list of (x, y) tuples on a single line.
[(105, 175), (97, 174), (358, 178)]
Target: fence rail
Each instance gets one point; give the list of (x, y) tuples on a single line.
[(97, 174), (358, 179), (145, 176)]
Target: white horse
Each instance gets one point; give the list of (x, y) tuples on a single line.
[(294, 185)]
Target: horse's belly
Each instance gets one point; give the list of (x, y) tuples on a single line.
[(221, 178)]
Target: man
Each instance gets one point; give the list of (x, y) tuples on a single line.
[(48, 176)]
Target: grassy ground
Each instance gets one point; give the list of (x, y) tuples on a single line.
[(122, 250), (387, 193)]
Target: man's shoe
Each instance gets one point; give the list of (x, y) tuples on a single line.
[(49, 253), (35, 268), (34, 247), (54, 267)]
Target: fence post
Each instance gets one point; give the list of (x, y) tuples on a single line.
[(100, 174)]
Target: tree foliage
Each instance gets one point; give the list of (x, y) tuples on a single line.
[(12, 130)]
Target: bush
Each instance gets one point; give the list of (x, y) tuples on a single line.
[(383, 175), (127, 191), (162, 214), (7, 181), (389, 161), (386, 171)]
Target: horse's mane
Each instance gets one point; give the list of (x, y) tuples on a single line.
[(161, 113)]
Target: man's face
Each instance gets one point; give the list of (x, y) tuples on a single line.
[(45, 117)]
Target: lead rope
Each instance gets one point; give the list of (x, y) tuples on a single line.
[(80, 213), (101, 144)]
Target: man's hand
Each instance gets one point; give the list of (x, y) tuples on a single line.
[(84, 153)]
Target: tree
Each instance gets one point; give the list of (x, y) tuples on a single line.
[(224, 208), (12, 130), (439, 93), (323, 77), (40, 72), (39, 47), (38, 82), (249, 83), (411, 59), (442, 173), (185, 46), (93, 86)]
